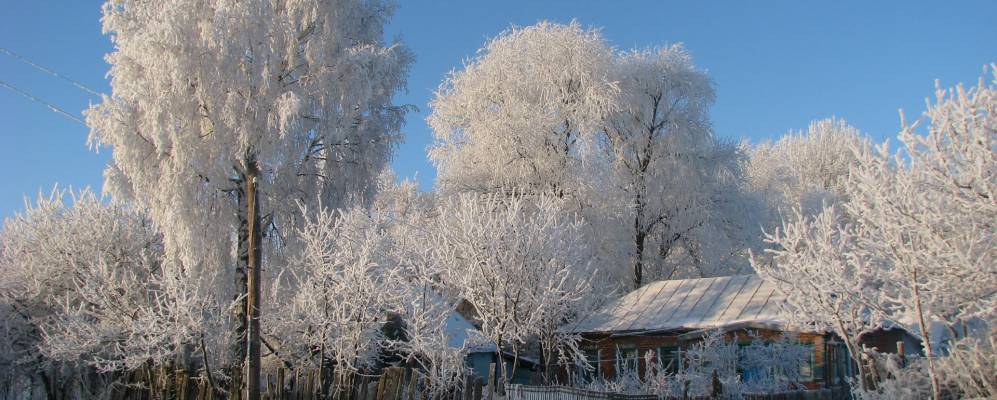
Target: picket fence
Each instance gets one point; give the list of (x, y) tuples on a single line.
[(523, 392)]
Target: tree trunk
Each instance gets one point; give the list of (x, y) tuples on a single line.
[(639, 255), (239, 344), (253, 289), (936, 391), (854, 354)]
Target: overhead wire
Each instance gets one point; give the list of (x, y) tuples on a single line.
[(50, 106), (49, 71)]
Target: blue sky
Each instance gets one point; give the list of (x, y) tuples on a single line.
[(776, 65)]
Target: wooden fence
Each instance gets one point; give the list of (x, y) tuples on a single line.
[(522, 392), (392, 384)]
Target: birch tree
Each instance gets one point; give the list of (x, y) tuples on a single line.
[(225, 115)]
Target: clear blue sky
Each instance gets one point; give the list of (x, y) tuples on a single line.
[(776, 65)]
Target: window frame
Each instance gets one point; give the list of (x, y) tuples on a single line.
[(622, 364), (674, 359)]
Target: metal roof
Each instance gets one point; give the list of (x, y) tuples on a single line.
[(688, 304)]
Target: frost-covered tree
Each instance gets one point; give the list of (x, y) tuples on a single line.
[(520, 263), (917, 224), (624, 137), (827, 287), (520, 113), (969, 365), (675, 178), (804, 170), (342, 291), (929, 214), (366, 288), (83, 290), (224, 115), (773, 366)]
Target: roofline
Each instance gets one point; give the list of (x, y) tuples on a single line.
[(686, 333)]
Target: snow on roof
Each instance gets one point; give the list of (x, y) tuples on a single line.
[(688, 304), (461, 332)]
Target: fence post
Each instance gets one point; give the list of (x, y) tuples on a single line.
[(902, 354), (718, 388), (414, 377), (399, 389), (477, 388), (491, 381)]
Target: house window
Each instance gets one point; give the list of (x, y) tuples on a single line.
[(747, 374), (593, 369), (807, 366), (670, 359), (626, 361)]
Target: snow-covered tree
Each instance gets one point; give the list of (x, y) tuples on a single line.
[(969, 365), (520, 113), (342, 293), (83, 288), (624, 137), (518, 262), (225, 115), (772, 366), (929, 214), (804, 170), (916, 242), (675, 178), (827, 286)]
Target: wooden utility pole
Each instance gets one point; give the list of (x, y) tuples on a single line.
[(253, 288)]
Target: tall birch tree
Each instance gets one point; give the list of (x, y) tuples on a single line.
[(225, 115)]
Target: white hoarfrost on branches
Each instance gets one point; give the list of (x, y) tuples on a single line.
[(915, 238), (928, 213), (519, 262), (82, 287), (520, 113), (624, 138), (342, 293), (717, 365), (208, 95), (804, 170), (678, 184), (827, 287)]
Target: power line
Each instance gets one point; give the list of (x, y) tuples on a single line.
[(42, 102), (49, 71)]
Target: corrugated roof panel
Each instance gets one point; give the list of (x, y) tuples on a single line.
[(645, 306), (667, 307), (724, 300), (688, 304), (756, 304), (592, 321), (677, 310), (648, 294), (741, 301), (770, 311), (694, 318)]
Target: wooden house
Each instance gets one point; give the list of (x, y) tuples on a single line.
[(666, 317)]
